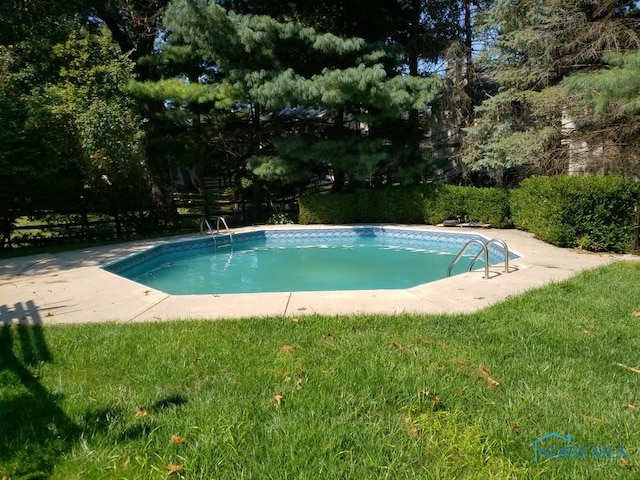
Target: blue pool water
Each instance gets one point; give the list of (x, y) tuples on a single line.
[(354, 258)]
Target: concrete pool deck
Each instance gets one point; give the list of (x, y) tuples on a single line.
[(71, 287)]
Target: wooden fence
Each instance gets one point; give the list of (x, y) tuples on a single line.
[(184, 215)]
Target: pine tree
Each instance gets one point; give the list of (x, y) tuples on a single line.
[(537, 46), (341, 90)]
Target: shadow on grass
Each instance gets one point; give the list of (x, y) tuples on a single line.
[(35, 430)]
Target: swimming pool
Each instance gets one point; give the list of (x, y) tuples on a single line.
[(287, 260)]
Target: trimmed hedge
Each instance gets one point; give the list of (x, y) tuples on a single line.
[(329, 208), (467, 204), (390, 205), (383, 205), (429, 203), (594, 213)]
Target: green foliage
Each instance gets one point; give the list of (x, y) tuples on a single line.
[(609, 89), (336, 88), (374, 205), (299, 156), (467, 204), (515, 128), (89, 100), (222, 95), (391, 204), (329, 208), (536, 47), (340, 91), (279, 219), (278, 168), (594, 213)]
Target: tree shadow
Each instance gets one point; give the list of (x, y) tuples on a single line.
[(35, 431)]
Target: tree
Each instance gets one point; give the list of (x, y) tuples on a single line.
[(537, 45), (604, 108), (277, 66), (71, 125)]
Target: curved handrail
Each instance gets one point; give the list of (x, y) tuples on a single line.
[(203, 223), (213, 234), (206, 222), (464, 249), (497, 241), (224, 222)]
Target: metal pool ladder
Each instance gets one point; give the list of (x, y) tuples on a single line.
[(484, 248), (213, 234)]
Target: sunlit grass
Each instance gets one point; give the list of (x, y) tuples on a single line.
[(407, 396)]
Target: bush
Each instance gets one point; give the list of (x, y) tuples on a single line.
[(467, 204), (330, 208), (381, 205), (390, 205), (594, 213)]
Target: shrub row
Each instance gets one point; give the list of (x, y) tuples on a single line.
[(467, 204), (593, 213), (426, 203), (388, 205)]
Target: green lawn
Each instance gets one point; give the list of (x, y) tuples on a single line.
[(353, 397)]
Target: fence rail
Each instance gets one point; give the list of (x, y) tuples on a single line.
[(182, 216)]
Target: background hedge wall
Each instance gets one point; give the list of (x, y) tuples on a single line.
[(467, 204), (594, 213), (425, 203), (383, 205)]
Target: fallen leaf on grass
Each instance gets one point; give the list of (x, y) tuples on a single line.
[(513, 426), (460, 364), (435, 400), (414, 431), (278, 399), (141, 412), (588, 331), (299, 382), (287, 348), (328, 336), (487, 377), (631, 369), (626, 463), (635, 313), (593, 419), (295, 320), (177, 439), (631, 407), (398, 345), (173, 468)]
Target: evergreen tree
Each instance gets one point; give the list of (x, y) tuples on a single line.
[(537, 46), (278, 67), (604, 108)]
